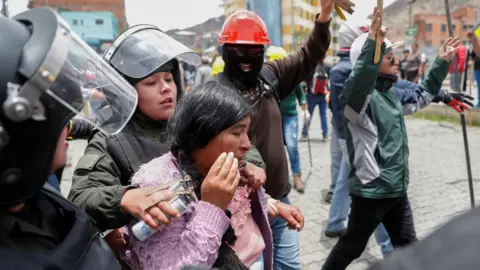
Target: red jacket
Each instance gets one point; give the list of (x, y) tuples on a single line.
[(461, 57)]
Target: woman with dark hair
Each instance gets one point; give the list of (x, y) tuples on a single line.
[(149, 60), (227, 227)]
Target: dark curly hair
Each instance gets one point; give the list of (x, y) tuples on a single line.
[(201, 116)]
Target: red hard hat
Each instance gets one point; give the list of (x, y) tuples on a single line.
[(244, 27)]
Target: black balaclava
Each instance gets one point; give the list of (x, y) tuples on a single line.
[(234, 72)]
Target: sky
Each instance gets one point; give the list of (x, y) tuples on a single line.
[(172, 14)]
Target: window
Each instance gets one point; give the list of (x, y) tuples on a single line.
[(75, 22), (444, 28), (428, 43), (428, 27), (98, 21), (287, 30), (81, 22), (453, 27)]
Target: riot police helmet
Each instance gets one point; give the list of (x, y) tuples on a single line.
[(143, 50), (42, 86)]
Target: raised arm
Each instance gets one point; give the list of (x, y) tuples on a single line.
[(360, 84), (293, 69)]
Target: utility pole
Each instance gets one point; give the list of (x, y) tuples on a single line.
[(5, 8), (462, 115), (410, 18), (410, 10), (293, 25)]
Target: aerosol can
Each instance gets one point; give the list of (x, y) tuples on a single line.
[(184, 196)]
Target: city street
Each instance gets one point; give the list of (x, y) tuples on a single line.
[(438, 184)]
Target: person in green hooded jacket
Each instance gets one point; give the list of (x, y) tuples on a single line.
[(377, 143)]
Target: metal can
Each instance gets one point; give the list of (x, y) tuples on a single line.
[(180, 202)]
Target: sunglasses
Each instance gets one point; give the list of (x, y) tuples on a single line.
[(243, 51)]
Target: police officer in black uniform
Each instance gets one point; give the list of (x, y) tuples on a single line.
[(41, 89)]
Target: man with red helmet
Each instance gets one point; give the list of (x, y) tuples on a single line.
[(244, 36)]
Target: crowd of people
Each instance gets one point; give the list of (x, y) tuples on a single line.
[(187, 167)]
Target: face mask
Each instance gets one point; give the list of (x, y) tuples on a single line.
[(243, 63)]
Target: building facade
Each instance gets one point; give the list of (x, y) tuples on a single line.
[(400, 15), (270, 12), (98, 29), (98, 22), (117, 7), (433, 28), (230, 6), (289, 22)]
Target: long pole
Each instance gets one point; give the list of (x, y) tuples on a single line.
[(5, 8), (462, 115), (410, 14), (293, 24)]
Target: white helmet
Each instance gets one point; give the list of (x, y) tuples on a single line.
[(357, 46), (350, 30)]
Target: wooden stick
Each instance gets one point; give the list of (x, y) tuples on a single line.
[(346, 3), (340, 13), (378, 40), (345, 6)]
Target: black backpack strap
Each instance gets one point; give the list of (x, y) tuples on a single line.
[(130, 147), (269, 77)]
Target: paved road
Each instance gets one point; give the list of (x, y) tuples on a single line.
[(438, 187)]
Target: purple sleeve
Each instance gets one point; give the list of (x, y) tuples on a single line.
[(192, 240)]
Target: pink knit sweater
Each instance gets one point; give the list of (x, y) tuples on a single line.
[(195, 238)]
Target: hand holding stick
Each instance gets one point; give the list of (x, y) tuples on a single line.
[(378, 39), (345, 5)]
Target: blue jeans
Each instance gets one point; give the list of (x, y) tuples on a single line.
[(477, 78), (336, 159), (290, 133), (340, 205), (313, 101), (286, 250)]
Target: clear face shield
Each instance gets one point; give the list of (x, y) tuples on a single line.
[(73, 74), (109, 100), (142, 49)]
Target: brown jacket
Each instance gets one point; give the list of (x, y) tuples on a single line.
[(267, 135)]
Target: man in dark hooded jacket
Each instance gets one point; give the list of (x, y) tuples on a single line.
[(244, 36)]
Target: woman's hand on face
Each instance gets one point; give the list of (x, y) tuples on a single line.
[(153, 208), (252, 176), (221, 182), (292, 215)]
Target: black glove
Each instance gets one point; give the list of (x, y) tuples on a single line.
[(458, 101)]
